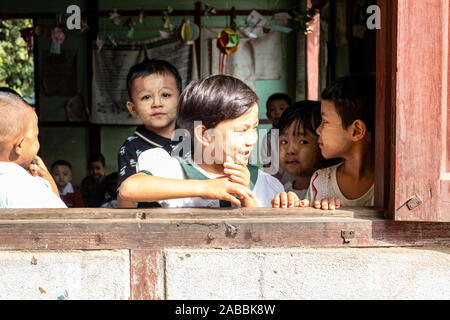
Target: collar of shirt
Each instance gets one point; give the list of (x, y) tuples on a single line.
[(11, 168), (153, 138), (67, 189)]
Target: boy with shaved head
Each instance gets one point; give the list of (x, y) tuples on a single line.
[(23, 184)]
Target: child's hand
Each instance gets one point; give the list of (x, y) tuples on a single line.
[(288, 200), (223, 189), (236, 172), (38, 168), (331, 203)]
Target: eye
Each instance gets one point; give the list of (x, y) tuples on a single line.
[(146, 97), (303, 142), (166, 95), (283, 141)]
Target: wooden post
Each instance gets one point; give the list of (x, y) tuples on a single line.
[(312, 58)]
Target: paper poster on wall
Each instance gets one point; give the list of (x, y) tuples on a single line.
[(255, 59), (110, 68)]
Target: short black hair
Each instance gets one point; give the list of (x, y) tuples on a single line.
[(354, 99), (61, 163), (152, 66), (278, 96), (96, 157), (213, 99), (305, 113)]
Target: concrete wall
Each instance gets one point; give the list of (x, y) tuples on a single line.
[(349, 273)]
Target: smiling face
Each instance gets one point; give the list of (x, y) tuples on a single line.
[(299, 151), (62, 175), (236, 138), (154, 101), (275, 109), (334, 140)]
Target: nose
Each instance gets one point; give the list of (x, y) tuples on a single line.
[(319, 129), (292, 148), (252, 138), (156, 102)]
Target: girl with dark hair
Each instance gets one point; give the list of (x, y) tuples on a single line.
[(219, 118), (298, 148)]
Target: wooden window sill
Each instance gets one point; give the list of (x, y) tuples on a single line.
[(100, 228)]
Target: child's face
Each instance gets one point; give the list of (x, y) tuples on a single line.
[(96, 169), (299, 151), (238, 137), (275, 110), (334, 140), (62, 175), (154, 101)]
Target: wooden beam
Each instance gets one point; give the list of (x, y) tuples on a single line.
[(312, 58), (155, 229)]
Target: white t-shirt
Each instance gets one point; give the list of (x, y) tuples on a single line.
[(159, 163), (324, 184), (19, 189), (301, 193)]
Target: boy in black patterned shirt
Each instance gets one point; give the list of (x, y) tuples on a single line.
[(153, 87)]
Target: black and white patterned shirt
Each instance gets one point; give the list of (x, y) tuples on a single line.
[(140, 141)]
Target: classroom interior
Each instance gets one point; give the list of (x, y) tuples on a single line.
[(340, 49)]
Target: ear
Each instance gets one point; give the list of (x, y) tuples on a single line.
[(131, 108), (358, 130), (202, 136), (18, 145)]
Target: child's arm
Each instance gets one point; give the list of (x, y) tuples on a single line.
[(38, 168), (142, 187)]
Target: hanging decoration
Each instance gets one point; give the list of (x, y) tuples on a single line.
[(130, 24), (166, 20), (209, 10), (142, 16), (99, 42), (27, 34), (57, 37), (114, 16), (227, 42), (188, 32), (84, 25), (301, 20)]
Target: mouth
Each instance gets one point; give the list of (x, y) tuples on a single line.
[(292, 162), (158, 115)]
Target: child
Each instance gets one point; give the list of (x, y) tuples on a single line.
[(154, 87), (346, 131), (92, 187), (24, 179), (275, 105), (62, 173), (299, 151), (220, 115)]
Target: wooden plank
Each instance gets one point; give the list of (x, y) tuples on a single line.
[(421, 83), (147, 275), (312, 58), (386, 91), (182, 213), (221, 231)]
